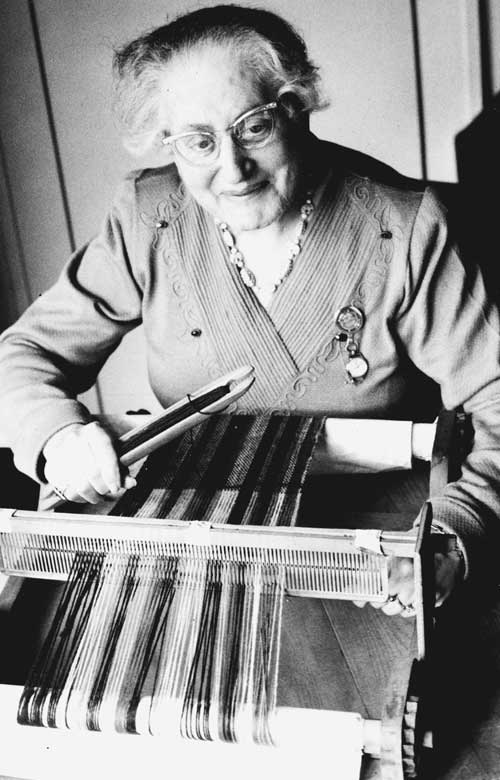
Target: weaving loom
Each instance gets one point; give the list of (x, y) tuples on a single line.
[(136, 576)]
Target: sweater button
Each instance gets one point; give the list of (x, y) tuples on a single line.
[(196, 332), (386, 234)]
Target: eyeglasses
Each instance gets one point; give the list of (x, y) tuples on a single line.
[(252, 130)]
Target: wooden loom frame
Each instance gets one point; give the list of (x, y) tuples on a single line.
[(401, 723)]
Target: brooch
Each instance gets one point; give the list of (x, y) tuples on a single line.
[(350, 321)]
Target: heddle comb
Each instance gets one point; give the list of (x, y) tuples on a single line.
[(329, 563)]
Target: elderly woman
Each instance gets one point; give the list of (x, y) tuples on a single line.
[(258, 243)]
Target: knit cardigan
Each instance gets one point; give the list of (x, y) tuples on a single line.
[(376, 240)]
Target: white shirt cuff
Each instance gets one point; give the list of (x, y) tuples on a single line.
[(364, 446)]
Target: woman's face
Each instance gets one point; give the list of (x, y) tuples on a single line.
[(249, 189)]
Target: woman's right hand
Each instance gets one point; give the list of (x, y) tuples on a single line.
[(82, 464)]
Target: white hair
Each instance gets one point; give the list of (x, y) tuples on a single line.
[(273, 52)]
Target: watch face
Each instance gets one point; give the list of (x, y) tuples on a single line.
[(357, 367), (350, 319)]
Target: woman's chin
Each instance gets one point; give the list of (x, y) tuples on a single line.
[(243, 217)]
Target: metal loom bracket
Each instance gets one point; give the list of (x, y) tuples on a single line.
[(199, 532), (6, 516), (369, 540)]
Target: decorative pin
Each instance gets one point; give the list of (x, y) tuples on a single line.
[(350, 321)]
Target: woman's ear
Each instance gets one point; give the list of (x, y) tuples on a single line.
[(165, 150)]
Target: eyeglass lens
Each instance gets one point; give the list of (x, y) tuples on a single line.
[(250, 132)]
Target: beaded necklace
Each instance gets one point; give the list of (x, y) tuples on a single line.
[(236, 257)]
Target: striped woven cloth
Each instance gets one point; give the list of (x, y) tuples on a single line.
[(235, 469), (180, 645)]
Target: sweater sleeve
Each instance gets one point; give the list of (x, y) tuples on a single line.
[(451, 331), (57, 347)]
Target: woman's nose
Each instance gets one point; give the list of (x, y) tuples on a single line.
[(234, 163)]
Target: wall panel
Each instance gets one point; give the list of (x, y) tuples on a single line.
[(29, 155), (365, 51), (15, 292), (449, 41), (493, 17)]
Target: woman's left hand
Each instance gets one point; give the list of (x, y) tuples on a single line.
[(448, 574)]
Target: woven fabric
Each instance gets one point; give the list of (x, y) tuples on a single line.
[(159, 645), (237, 469)]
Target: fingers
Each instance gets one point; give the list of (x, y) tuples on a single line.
[(401, 589), (396, 606), (392, 606), (449, 572), (128, 482), (82, 464), (103, 461)]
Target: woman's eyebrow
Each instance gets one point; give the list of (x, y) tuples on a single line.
[(196, 126), (207, 128)]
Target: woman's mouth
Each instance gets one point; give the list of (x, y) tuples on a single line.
[(245, 192)]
